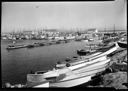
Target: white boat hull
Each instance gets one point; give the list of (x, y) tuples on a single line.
[(44, 85), (71, 83), (78, 78), (97, 65), (86, 63)]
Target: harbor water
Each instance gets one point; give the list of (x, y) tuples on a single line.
[(17, 63)]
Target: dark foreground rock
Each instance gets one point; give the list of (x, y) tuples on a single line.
[(116, 77), (115, 80)]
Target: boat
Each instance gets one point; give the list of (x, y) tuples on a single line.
[(10, 47), (84, 52), (15, 46), (44, 84), (85, 40), (30, 46), (78, 39), (92, 55), (41, 44), (36, 44), (122, 44), (75, 73), (90, 48), (75, 78), (68, 77), (58, 42), (66, 40), (50, 43), (69, 71)]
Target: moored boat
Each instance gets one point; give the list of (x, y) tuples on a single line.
[(9, 47), (30, 46), (36, 44), (84, 52), (58, 42), (122, 44), (41, 44)]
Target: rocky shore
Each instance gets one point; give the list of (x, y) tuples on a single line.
[(116, 75)]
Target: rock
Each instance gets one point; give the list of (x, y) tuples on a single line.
[(118, 67), (119, 57), (115, 80), (7, 85)]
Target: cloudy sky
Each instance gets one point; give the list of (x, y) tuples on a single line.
[(67, 15)]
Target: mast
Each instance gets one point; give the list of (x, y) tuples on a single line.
[(114, 29), (105, 29)]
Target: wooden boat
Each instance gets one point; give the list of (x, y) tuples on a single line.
[(66, 40), (68, 77), (41, 44), (30, 46), (80, 76), (78, 39), (92, 55), (10, 47), (75, 73), (44, 84), (84, 52), (58, 42), (122, 44), (36, 44)]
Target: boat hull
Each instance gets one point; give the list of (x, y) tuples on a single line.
[(16, 47), (122, 44), (79, 52), (87, 62), (44, 85), (72, 77), (71, 83), (94, 66), (77, 78)]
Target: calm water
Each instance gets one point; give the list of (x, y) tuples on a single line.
[(17, 63)]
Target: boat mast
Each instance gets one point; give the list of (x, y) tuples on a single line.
[(114, 29), (105, 29)]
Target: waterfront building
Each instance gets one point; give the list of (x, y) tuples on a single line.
[(70, 37), (92, 31)]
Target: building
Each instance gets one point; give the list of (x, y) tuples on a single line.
[(92, 30)]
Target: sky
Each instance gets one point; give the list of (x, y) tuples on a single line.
[(64, 15)]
